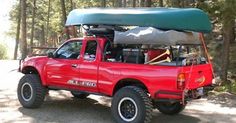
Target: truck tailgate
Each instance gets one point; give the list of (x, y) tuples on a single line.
[(198, 76)]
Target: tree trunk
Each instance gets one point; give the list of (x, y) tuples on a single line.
[(114, 3), (103, 3), (48, 19), (18, 31), (141, 3), (124, 3), (176, 3), (71, 5), (134, 3), (32, 26), (182, 3), (161, 4), (63, 10), (75, 31), (42, 42), (55, 40), (148, 3), (228, 36), (23, 30), (118, 3)]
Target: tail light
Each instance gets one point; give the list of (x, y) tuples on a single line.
[(181, 81)]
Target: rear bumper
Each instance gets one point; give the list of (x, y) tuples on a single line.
[(167, 94), (170, 95)]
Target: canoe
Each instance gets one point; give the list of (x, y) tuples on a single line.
[(189, 19)]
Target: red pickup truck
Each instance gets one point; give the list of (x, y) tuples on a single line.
[(94, 65), (143, 58)]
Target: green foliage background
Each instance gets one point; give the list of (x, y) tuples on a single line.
[(3, 52)]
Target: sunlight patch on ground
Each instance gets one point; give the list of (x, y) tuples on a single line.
[(211, 107)]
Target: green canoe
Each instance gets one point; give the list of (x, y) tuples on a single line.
[(190, 19)]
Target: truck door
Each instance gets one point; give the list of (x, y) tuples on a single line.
[(63, 68), (89, 67)]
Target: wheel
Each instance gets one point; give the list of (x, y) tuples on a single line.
[(170, 108), (131, 105), (30, 91), (80, 95)]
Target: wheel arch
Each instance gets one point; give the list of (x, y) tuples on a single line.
[(129, 82), (30, 70)]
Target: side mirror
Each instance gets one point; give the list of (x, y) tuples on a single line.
[(50, 55)]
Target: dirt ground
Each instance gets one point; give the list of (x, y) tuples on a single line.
[(60, 107)]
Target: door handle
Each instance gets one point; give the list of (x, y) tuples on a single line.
[(74, 65)]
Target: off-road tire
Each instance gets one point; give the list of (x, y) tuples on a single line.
[(79, 95), (170, 108), (143, 104), (37, 91)]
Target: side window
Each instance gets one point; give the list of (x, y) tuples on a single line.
[(90, 50), (70, 50), (112, 53)]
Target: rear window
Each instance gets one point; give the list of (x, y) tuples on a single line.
[(189, 54)]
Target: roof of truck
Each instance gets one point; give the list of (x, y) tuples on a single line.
[(190, 19)]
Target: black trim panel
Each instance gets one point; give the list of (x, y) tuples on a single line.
[(167, 93), (62, 88)]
